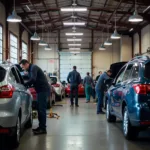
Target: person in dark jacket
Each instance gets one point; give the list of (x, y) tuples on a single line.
[(74, 79), (100, 89), (88, 84), (40, 83)]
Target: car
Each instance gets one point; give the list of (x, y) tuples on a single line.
[(128, 98), (15, 103), (58, 86), (81, 90)]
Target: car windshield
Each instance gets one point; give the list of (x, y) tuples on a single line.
[(147, 71), (2, 74)]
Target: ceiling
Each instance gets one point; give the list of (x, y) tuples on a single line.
[(99, 13)]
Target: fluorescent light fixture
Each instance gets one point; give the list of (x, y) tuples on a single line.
[(28, 7), (77, 40), (74, 44), (115, 35), (75, 52), (48, 48), (146, 9), (74, 9), (35, 37), (102, 47), (78, 34), (75, 49), (108, 42), (42, 43), (14, 17), (135, 17), (74, 23), (131, 29)]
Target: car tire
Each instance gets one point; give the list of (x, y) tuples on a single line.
[(129, 131), (109, 116), (30, 121), (15, 139)]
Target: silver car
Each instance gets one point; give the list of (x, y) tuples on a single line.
[(15, 103)]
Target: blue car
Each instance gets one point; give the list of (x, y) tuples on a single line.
[(128, 98)]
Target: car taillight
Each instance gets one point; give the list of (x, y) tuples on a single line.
[(142, 88), (56, 85), (6, 91)]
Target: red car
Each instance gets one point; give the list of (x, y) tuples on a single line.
[(81, 91)]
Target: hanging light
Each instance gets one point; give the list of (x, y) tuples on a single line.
[(35, 36), (108, 41), (14, 17), (42, 42), (48, 48), (115, 35), (102, 47), (135, 17)]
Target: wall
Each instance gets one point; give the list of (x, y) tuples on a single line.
[(3, 23), (25, 37), (136, 43), (126, 48)]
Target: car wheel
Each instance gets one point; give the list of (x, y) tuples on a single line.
[(30, 121), (15, 139), (109, 117), (129, 131)]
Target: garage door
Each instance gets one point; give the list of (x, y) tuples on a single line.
[(68, 60)]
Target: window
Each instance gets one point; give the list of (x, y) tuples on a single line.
[(127, 72), (135, 72), (24, 51), (120, 76), (13, 49), (15, 75), (1, 44)]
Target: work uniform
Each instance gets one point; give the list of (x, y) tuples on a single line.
[(100, 86), (74, 79), (88, 83), (41, 85)]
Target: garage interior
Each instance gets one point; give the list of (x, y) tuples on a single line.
[(83, 44)]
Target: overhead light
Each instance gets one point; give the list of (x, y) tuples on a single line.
[(74, 23), (131, 29), (28, 7), (78, 34), (115, 35), (75, 52), (74, 44), (14, 17), (35, 37), (77, 40), (102, 47), (78, 9), (75, 49), (48, 48), (146, 9), (135, 17), (108, 42), (42, 43)]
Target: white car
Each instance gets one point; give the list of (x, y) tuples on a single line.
[(59, 88)]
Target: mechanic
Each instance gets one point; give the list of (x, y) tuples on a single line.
[(74, 79), (88, 84), (100, 86), (100, 73), (39, 81)]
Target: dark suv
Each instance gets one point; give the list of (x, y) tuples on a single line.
[(128, 98)]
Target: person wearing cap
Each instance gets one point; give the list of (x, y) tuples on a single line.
[(100, 89), (74, 79), (88, 84)]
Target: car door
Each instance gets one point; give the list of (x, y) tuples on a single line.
[(26, 95), (115, 91), (122, 91)]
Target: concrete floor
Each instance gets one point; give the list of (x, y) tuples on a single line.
[(81, 129)]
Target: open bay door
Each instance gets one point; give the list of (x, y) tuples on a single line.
[(68, 60)]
